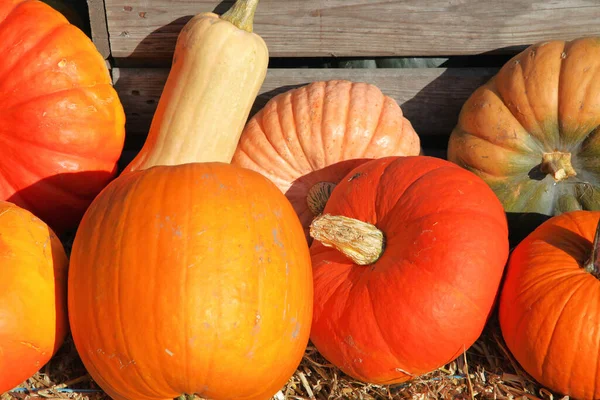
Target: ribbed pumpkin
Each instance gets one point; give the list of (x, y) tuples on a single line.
[(33, 295), (189, 276), (62, 126), (307, 139), (407, 260), (531, 132), (548, 304)]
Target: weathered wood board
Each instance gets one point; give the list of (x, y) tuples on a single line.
[(145, 31), (431, 98)]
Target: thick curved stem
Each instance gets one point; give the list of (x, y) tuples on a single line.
[(360, 241), (592, 265), (242, 14), (558, 165)]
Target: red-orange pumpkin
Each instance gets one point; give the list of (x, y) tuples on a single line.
[(192, 278), (548, 305), (306, 139), (33, 295), (62, 125), (407, 257)]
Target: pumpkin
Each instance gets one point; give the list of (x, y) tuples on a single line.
[(218, 66), (189, 276), (62, 126), (193, 278), (306, 139), (531, 132), (407, 261), (547, 305), (33, 295)]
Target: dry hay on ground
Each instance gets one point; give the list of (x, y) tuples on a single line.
[(485, 371)]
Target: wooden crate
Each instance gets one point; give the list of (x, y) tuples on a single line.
[(475, 37)]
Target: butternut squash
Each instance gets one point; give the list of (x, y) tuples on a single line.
[(218, 66)]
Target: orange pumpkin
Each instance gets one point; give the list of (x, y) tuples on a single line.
[(62, 126), (407, 260), (193, 278), (548, 304), (33, 295), (307, 139)]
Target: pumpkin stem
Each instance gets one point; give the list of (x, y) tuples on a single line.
[(360, 241), (186, 397), (318, 195), (557, 164), (242, 14), (592, 266)]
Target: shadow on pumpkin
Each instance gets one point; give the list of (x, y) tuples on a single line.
[(298, 190), (52, 200)]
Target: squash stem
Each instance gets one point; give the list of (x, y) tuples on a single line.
[(186, 397), (558, 165), (360, 241), (242, 14), (592, 266)]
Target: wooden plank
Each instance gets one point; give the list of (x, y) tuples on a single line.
[(98, 26), (146, 30), (430, 98)]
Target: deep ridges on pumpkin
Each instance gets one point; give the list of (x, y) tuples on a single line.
[(531, 132), (306, 139)]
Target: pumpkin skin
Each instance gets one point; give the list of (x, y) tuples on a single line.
[(545, 100), (317, 133), (33, 295), (218, 67), (62, 126), (427, 297), (547, 305), (193, 278)]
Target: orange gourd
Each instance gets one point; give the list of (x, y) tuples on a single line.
[(189, 276), (33, 295), (407, 260), (306, 139), (547, 307), (190, 279), (62, 126)]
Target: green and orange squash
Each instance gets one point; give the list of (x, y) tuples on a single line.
[(532, 132)]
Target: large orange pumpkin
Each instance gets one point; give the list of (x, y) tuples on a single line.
[(531, 132), (62, 125), (407, 257), (33, 295), (190, 279), (548, 305), (306, 139)]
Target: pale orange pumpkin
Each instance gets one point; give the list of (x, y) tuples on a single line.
[(306, 139)]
